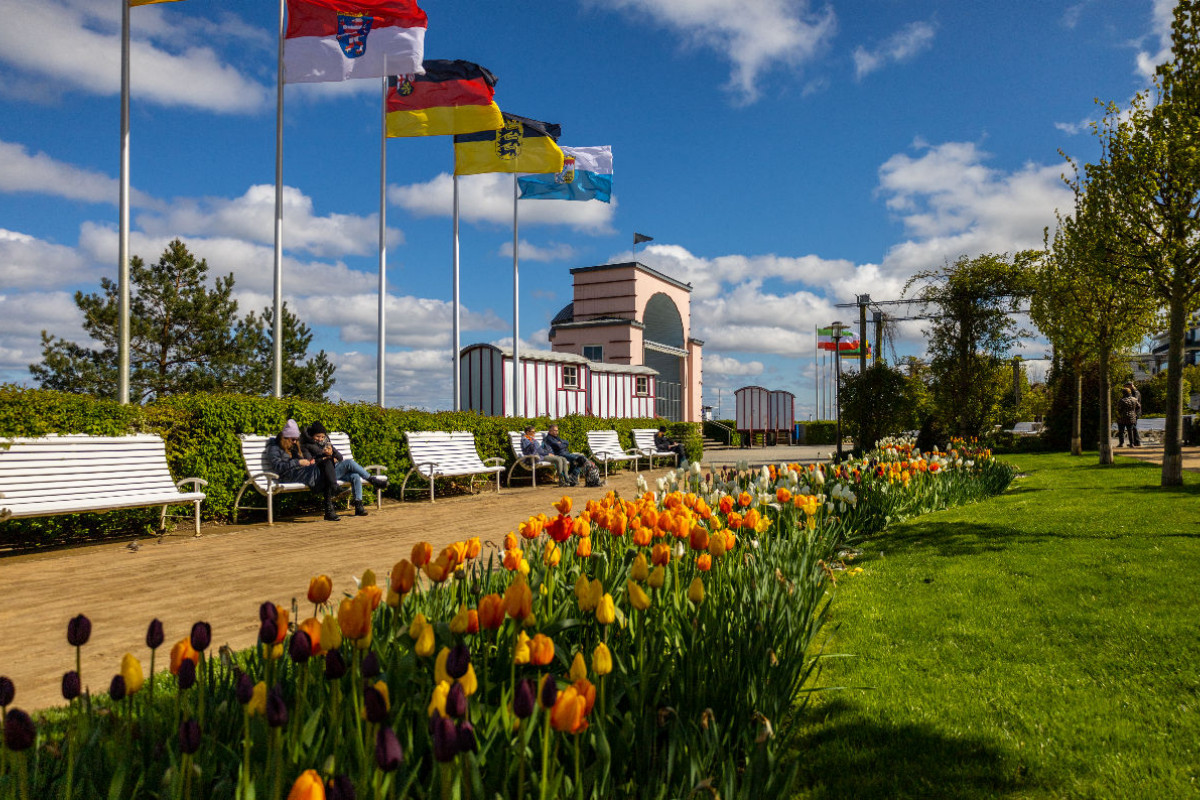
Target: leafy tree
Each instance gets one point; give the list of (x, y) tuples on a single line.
[(970, 339), (877, 402), (184, 337), (1147, 184)]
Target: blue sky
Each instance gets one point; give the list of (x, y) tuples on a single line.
[(785, 155)]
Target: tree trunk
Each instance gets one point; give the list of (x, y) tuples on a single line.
[(1172, 464), (1077, 417), (1104, 439)]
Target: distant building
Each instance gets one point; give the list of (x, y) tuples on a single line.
[(633, 315)]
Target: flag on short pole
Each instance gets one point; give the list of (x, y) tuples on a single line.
[(522, 145), (845, 343), (638, 238), (586, 175), (451, 97), (337, 40), (852, 349), (149, 2)]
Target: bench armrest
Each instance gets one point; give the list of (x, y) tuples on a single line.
[(199, 483), (272, 479), (499, 462), (379, 467)]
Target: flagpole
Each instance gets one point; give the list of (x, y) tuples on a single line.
[(382, 237), (518, 396), (277, 333), (123, 200), (454, 281), (816, 374)]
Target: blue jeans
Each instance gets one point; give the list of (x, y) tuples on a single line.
[(350, 468)]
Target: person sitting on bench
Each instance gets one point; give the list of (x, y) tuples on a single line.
[(665, 444), (290, 463), (315, 443), (530, 447), (560, 447)]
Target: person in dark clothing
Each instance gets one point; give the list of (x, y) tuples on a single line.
[(1135, 438), (530, 447), (288, 461), (1127, 414), (316, 445), (560, 447), (665, 444)]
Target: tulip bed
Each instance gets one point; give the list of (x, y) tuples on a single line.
[(650, 647)]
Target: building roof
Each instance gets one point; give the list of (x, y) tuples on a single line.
[(638, 266), (568, 358)]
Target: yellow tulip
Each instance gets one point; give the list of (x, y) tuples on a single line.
[(564, 505), (461, 621), (392, 599), (521, 649), (439, 667), (331, 633), (597, 591), (258, 700), (578, 668), (438, 701), (425, 642), (583, 593), (640, 569), (381, 687), (368, 579), (637, 597), (695, 591), (606, 610), (602, 659), (657, 578), (131, 671), (552, 555), (469, 682), (414, 628), (716, 545)]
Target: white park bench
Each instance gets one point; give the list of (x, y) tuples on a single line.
[(530, 463), (438, 454), (606, 448), (1152, 429), (76, 473), (267, 483), (1025, 429), (643, 440)]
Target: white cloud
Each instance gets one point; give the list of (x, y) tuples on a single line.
[(717, 365), (23, 316), (903, 45), (952, 204), (30, 263), (1160, 19), (41, 174), (754, 36), (1075, 128), (182, 71), (488, 198), (416, 322), (412, 378), (556, 251), (251, 218)]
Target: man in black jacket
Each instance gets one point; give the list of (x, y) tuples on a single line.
[(316, 445), (560, 447)]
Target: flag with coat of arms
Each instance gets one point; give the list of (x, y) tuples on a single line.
[(333, 40)]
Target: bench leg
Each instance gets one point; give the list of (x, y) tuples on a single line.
[(270, 507), (197, 519)]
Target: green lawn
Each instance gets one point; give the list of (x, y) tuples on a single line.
[(1045, 643)]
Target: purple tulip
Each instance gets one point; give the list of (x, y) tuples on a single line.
[(549, 691), (8, 691), (201, 636), (277, 711), (300, 648), (466, 737), (370, 665), (335, 665), (79, 630), (19, 730), (154, 634), (71, 685), (445, 738), (456, 701), (186, 677), (116, 689), (388, 754), (268, 611), (189, 736), (244, 689), (268, 632), (523, 699), (374, 705), (458, 661)]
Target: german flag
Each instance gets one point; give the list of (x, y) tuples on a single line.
[(451, 97), (522, 145)]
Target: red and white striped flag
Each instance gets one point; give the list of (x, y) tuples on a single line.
[(336, 40)]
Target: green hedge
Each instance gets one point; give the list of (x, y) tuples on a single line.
[(819, 432), (201, 435)]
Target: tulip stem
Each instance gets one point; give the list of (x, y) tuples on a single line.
[(545, 754), (244, 778), (521, 769), (578, 782), (23, 775)]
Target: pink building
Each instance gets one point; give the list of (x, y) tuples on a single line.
[(629, 314)]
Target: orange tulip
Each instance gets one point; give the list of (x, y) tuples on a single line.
[(375, 593), (582, 527), (491, 612), (421, 553), (518, 598), (541, 650), (744, 499), (312, 626), (510, 541), (704, 562), (564, 505), (699, 538), (584, 548), (569, 712), (307, 787), (354, 616), (660, 556), (181, 650), (642, 536), (783, 495), (725, 504), (319, 589), (404, 576), (474, 547)]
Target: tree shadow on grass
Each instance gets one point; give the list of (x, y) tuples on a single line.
[(846, 755), (947, 539)]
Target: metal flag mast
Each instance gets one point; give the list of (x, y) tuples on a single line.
[(383, 137), (277, 329), (123, 245), (518, 395), (454, 289)]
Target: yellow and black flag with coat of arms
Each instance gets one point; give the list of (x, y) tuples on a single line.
[(522, 145)]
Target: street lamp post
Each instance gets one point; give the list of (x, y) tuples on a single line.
[(836, 335)]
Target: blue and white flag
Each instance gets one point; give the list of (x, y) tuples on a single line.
[(587, 175)]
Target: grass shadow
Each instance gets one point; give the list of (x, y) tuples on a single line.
[(947, 539), (846, 755)]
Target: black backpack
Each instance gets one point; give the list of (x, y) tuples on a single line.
[(591, 474)]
